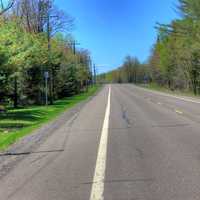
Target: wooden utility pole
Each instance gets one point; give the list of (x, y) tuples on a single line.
[(48, 26), (49, 53), (15, 92), (51, 72), (73, 46), (94, 77)]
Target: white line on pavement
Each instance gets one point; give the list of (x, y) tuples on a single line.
[(173, 96), (99, 174)]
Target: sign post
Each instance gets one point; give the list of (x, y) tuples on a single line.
[(46, 76)]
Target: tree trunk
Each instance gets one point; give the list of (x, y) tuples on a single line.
[(194, 82), (51, 88), (15, 93)]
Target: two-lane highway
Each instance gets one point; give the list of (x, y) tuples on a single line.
[(127, 143)]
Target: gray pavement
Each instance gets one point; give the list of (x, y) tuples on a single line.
[(153, 151)]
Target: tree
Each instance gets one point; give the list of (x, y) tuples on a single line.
[(6, 5), (35, 15), (31, 43)]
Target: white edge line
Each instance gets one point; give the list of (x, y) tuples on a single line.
[(97, 190), (169, 95)]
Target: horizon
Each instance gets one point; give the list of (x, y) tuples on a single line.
[(111, 36)]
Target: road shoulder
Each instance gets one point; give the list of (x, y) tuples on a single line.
[(18, 151)]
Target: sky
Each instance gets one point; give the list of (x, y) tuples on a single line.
[(113, 29)]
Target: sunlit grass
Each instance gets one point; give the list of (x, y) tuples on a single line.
[(20, 122)]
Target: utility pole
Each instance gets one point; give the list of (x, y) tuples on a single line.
[(73, 45), (50, 71), (15, 92), (49, 52), (46, 76), (41, 16), (91, 71), (94, 79), (48, 27)]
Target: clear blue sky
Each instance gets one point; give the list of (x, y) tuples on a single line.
[(112, 29)]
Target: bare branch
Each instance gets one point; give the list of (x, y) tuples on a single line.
[(4, 8)]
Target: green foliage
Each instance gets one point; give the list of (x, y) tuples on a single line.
[(190, 8), (20, 122), (132, 71), (30, 46), (24, 57), (175, 57)]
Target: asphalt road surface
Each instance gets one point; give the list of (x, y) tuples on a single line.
[(126, 143)]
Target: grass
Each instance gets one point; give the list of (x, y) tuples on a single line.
[(156, 87), (20, 122)]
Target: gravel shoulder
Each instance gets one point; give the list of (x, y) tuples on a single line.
[(28, 144)]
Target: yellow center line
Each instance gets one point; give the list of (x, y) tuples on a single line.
[(179, 112)]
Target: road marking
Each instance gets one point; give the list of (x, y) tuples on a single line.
[(179, 112), (99, 174), (159, 103), (169, 95)]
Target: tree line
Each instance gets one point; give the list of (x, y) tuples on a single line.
[(131, 71), (36, 43), (175, 57)]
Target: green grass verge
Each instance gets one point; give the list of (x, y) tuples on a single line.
[(20, 122), (156, 87)]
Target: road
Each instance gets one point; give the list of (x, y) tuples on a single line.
[(126, 143)]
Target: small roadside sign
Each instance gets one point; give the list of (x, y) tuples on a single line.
[(46, 75)]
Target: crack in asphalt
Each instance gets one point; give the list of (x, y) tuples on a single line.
[(122, 181), (125, 116), (170, 125), (29, 153)]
